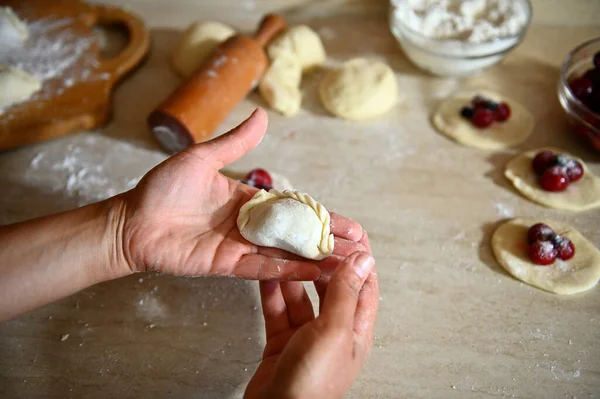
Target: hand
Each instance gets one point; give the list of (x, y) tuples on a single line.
[(308, 357), (182, 218)]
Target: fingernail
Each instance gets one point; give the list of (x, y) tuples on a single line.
[(363, 265)]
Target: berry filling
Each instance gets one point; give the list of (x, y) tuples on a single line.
[(586, 87), (482, 112), (545, 245), (556, 171), (259, 178)]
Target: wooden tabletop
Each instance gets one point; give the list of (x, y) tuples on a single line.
[(452, 323)]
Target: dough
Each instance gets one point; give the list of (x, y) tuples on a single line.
[(288, 220), (515, 130), (280, 182), (360, 89), (579, 196), (12, 29), (301, 41), (578, 274), (198, 42), (280, 85), (16, 86)]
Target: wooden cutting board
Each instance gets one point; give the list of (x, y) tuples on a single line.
[(77, 81)]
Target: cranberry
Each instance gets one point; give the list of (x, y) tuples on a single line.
[(265, 187), (554, 179), (561, 160), (597, 60), (259, 177), (482, 117), (502, 112), (593, 75), (542, 253), (574, 170), (543, 161), (539, 232), (479, 102), (581, 88), (566, 249), (466, 112)]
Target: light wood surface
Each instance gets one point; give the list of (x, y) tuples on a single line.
[(452, 323)]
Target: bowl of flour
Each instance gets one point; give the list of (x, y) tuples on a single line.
[(458, 37)]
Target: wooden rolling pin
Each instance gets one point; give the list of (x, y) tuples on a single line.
[(197, 107)]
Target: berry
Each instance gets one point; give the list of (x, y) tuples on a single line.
[(593, 75), (479, 102), (502, 112), (482, 117), (566, 249), (466, 112), (581, 88), (539, 232), (543, 161), (574, 171), (554, 179), (265, 187), (555, 239), (492, 105), (597, 60), (561, 160), (542, 253), (259, 177)]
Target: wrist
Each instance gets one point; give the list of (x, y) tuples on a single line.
[(117, 263)]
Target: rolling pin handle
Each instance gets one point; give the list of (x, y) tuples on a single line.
[(269, 27)]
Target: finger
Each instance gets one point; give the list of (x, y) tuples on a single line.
[(345, 248), (342, 249), (366, 310), (232, 145), (274, 310), (321, 287), (260, 267), (344, 287), (298, 304), (345, 228), (365, 242)]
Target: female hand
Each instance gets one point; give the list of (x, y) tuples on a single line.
[(181, 218), (308, 357)]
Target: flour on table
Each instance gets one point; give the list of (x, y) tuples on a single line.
[(504, 210)]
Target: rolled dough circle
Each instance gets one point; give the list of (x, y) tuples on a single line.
[(578, 274), (198, 42), (579, 196), (16, 86), (448, 120), (360, 89)]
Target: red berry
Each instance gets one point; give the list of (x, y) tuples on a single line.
[(566, 249), (502, 112), (542, 253), (482, 117), (581, 88), (597, 60), (554, 179), (259, 177), (539, 232), (543, 161), (479, 102), (574, 170)]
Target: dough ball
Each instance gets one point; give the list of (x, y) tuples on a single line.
[(578, 274), (280, 85), (581, 195), (302, 41), (16, 86), (515, 130), (360, 89), (13, 30), (198, 42)]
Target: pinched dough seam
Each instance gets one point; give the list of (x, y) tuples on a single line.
[(327, 240)]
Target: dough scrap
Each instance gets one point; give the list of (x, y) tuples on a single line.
[(16, 86), (288, 220), (579, 196), (515, 130), (359, 89), (12, 28), (198, 42), (301, 41), (280, 85), (578, 274)]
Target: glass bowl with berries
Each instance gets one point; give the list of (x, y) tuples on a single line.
[(579, 90)]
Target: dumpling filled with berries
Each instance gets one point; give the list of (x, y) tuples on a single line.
[(483, 120), (554, 178), (547, 254)]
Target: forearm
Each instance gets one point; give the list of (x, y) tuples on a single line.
[(45, 259)]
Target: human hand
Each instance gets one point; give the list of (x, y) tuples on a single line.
[(182, 218), (308, 357)]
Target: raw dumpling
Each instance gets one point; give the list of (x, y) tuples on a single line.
[(288, 220)]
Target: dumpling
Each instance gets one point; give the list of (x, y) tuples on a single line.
[(288, 220)]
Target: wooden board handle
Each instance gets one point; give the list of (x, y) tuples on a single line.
[(139, 39), (270, 26)]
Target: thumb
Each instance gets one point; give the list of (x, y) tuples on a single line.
[(343, 290), (232, 145)]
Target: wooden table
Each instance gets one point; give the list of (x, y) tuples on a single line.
[(452, 323)]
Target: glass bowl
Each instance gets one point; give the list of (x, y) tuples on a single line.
[(450, 57), (585, 122)]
